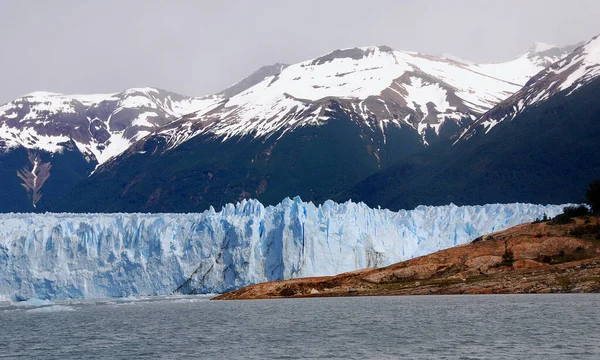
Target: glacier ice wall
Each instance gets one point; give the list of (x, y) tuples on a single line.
[(54, 256)]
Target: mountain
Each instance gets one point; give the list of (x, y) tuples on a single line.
[(382, 87), (539, 145), (57, 256), (564, 77), (312, 129), (521, 69), (50, 141), (100, 125)]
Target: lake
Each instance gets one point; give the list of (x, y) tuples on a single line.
[(413, 327)]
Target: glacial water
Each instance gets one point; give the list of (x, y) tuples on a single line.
[(417, 327)]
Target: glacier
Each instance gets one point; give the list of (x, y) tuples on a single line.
[(60, 256)]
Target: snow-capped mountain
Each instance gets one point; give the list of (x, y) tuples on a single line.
[(540, 145), (312, 129), (49, 141), (566, 76), (365, 108), (57, 256), (379, 86), (100, 125), (521, 69), (377, 82)]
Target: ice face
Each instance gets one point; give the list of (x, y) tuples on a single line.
[(57, 256)]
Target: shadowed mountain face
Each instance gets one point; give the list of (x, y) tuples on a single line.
[(312, 162), (33, 178)]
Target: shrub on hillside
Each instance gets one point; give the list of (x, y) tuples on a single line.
[(562, 219), (570, 212), (573, 211), (508, 257)]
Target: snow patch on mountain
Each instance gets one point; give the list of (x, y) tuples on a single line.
[(419, 92), (582, 68)]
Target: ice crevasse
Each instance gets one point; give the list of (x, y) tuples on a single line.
[(58, 256)]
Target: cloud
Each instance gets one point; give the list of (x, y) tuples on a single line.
[(200, 47)]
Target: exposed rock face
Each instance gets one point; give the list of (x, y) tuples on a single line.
[(34, 178), (529, 258)]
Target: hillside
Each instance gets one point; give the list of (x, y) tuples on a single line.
[(541, 257)]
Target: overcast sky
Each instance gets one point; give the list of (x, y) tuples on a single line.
[(200, 47)]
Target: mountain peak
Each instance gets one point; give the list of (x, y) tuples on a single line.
[(41, 94), (593, 46), (102, 125), (141, 90), (575, 70), (453, 57), (541, 47), (356, 53), (253, 79)]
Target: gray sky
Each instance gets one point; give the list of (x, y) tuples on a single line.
[(200, 47)]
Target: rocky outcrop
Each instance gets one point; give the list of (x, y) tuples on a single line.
[(531, 258), (34, 178)]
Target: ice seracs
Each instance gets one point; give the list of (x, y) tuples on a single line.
[(56, 256)]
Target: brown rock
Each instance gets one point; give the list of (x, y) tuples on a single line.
[(526, 264), (483, 263), (526, 251), (555, 245)]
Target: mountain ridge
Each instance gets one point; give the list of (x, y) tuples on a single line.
[(359, 110), (392, 85), (538, 152)]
